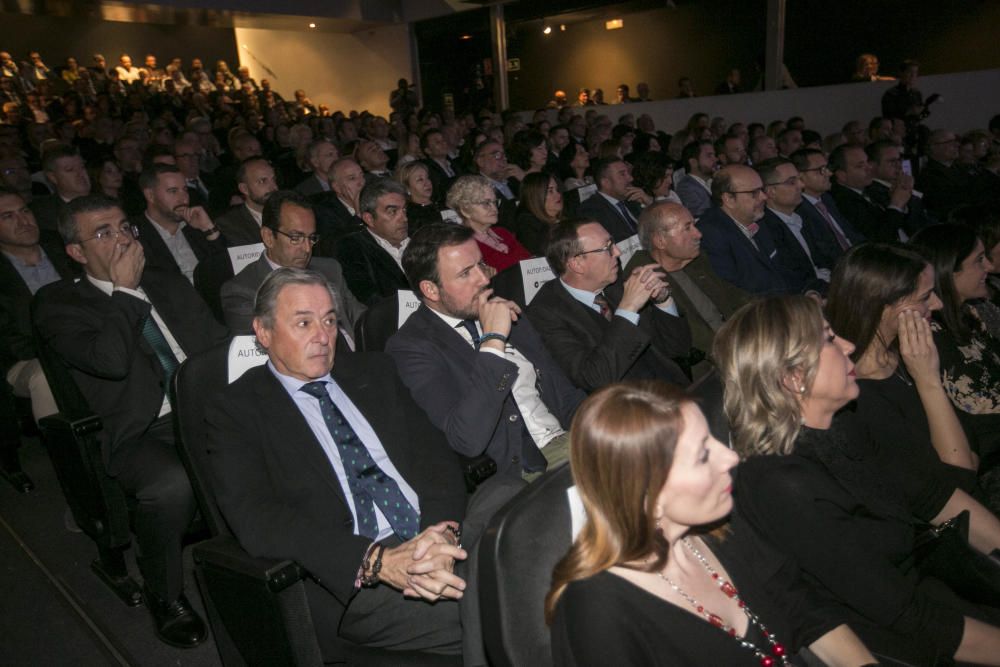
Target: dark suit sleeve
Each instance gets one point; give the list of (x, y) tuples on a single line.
[(467, 409), (359, 274), (720, 256), (267, 524), (102, 348), (669, 334)]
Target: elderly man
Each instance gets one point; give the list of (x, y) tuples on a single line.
[(739, 249), (256, 181), (617, 204), (944, 185), (321, 155), (288, 232), (373, 257), (601, 329), (122, 330), (332, 465), (337, 211), (490, 160), (670, 239), (439, 167)]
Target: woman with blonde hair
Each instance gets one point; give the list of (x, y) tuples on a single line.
[(420, 208), (829, 497), (648, 581)]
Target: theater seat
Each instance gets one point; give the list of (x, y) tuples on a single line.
[(73, 439), (257, 607), (376, 325)]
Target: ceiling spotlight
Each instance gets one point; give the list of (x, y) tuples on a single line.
[(562, 27), (547, 30), (465, 37), (312, 25)]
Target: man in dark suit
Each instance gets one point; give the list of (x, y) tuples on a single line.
[(256, 181), (853, 173), (830, 231), (887, 171), (373, 258), (175, 236), (491, 161), (29, 260), (278, 439), (122, 330), (695, 189), (439, 166), (794, 238), (739, 249), (600, 328), (289, 226), (64, 168), (187, 153), (704, 300), (321, 156), (617, 203), (337, 212), (478, 369), (944, 185)]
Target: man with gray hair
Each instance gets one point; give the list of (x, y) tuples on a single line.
[(334, 466), (670, 239), (123, 330), (321, 155), (373, 257)]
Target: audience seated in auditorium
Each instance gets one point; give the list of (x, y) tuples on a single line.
[(475, 200), (617, 203), (123, 330), (475, 365), (731, 149), (421, 207), (853, 173), (284, 484), (337, 212), (321, 154), (827, 496), (602, 327), (65, 170), (256, 181), (887, 176), (490, 161), (439, 165), (832, 233), (695, 188), (941, 180)]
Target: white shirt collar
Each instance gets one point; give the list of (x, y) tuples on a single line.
[(258, 217)]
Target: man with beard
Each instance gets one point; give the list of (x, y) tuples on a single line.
[(288, 230), (174, 234), (256, 181)]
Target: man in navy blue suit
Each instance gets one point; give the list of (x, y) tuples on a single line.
[(818, 208), (739, 249)]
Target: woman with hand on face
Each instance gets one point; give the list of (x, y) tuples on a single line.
[(831, 500), (657, 576), (475, 201), (574, 166), (540, 207)]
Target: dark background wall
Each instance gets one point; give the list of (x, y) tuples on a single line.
[(58, 38)]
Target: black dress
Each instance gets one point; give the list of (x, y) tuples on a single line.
[(419, 215), (850, 522), (532, 232), (607, 620)]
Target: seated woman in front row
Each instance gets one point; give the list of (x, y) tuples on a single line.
[(830, 500), (655, 578)]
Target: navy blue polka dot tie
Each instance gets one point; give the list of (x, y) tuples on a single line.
[(369, 485)]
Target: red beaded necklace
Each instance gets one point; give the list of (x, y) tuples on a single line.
[(777, 650)]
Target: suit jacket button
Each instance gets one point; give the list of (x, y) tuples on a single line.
[(513, 417)]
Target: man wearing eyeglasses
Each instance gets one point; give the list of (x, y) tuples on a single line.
[(122, 330), (288, 231), (491, 162), (817, 205), (944, 185)]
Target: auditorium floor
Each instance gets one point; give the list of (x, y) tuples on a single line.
[(53, 609)]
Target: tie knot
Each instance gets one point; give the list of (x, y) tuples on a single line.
[(315, 389)]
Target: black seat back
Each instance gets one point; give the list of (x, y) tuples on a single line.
[(377, 324)]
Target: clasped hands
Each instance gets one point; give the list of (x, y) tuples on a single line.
[(424, 566)]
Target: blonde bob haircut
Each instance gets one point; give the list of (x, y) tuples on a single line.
[(622, 444), (766, 350)]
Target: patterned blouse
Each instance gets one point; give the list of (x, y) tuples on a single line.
[(970, 372)]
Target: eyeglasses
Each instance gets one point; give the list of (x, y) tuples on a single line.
[(823, 169), (113, 234), (608, 247), (497, 155), (788, 181), (756, 192), (488, 203), (296, 238)]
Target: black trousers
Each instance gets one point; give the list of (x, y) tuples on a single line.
[(150, 471)]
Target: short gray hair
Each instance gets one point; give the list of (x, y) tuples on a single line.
[(464, 191), (266, 302), (375, 190)]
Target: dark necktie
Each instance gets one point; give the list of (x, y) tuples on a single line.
[(470, 326), (823, 211), (605, 306), (627, 214), (367, 482), (160, 346)]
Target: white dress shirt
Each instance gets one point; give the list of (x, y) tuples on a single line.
[(179, 248)]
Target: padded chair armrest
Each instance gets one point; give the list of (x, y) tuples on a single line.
[(225, 552), (84, 426)]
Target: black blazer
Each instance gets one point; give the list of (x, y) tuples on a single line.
[(16, 340), (467, 394), (100, 338), (333, 222), (277, 489), (599, 209), (791, 255), (594, 352), (157, 253), (238, 226), (440, 180), (916, 217), (370, 273), (877, 223), (944, 188), (819, 235), (47, 211)]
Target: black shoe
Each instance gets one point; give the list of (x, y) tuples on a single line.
[(176, 623)]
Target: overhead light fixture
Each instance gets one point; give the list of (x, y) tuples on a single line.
[(614, 24), (562, 27), (312, 25), (465, 37), (547, 30)]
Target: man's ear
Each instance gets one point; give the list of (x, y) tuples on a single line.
[(430, 291), (75, 251), (368, 218), (263, 333), (244, 190), (267, 237)]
